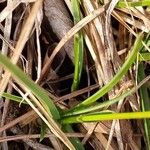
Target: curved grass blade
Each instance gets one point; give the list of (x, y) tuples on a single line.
[(130, 60), (97, 106), (78, 47), (108, 103), (46, 102)]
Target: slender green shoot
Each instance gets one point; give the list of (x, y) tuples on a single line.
[(78, 47)]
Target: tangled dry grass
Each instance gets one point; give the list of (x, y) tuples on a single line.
[(37, 36)]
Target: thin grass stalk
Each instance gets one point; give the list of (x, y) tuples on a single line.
[(98, 116)]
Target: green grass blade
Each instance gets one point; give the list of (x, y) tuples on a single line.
[(97, 106), (78, 47), (76, 10), (145, 103), (130, 60), (123, 4), (34, 88), (13, 98), (78, 51), (97, 116)]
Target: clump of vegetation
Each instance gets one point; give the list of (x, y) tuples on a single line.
[(75, 74)]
